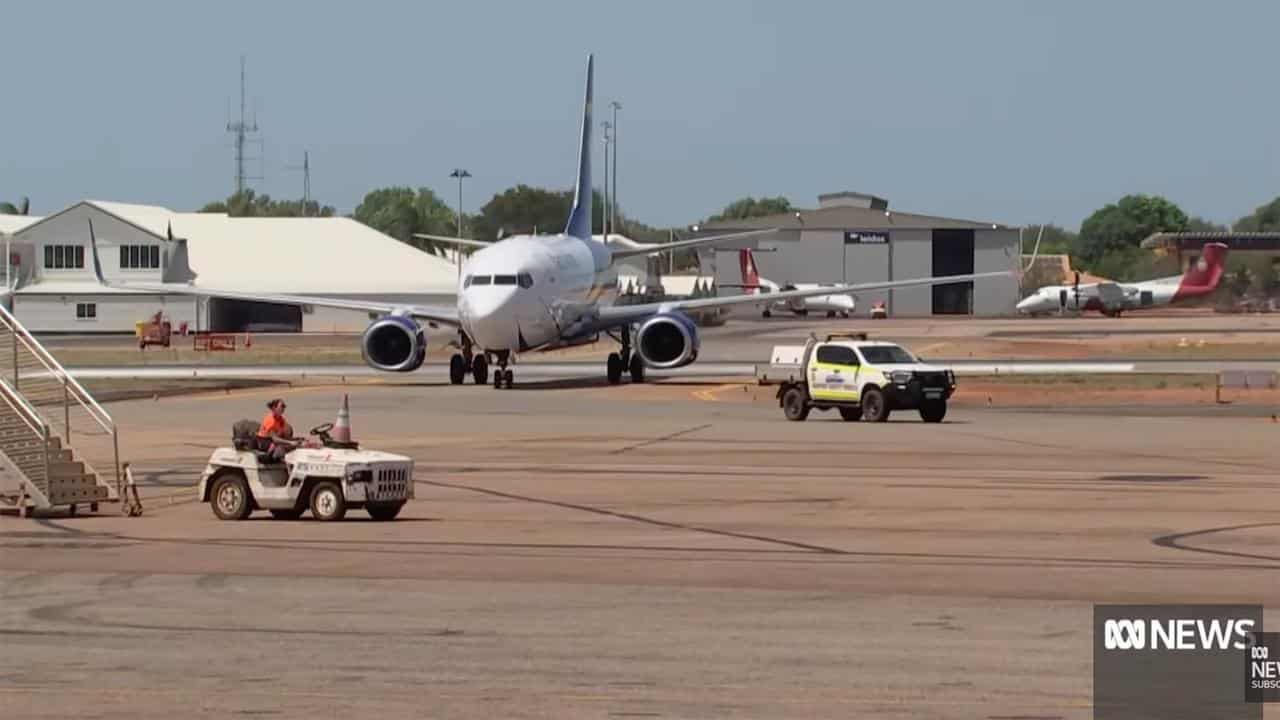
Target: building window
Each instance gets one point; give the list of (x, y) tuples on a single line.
[(139, 257), (86, 311), (63, 257)]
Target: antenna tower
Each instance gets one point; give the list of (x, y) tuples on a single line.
[(242, 130)]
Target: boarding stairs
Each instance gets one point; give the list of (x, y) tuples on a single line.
[(42, 411)]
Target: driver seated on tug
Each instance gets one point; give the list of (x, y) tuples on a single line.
[(275, 432)]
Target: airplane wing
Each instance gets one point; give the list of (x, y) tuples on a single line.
[(439, 314), (617, 315), (1111, 294), (463, 242), (625, 250)]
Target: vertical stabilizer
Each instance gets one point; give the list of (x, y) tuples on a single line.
[(579, 224)]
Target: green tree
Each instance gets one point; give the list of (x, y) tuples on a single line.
[(1265, 218), (1055, 241), (1120, 227), (749, 207), (250, 204), (401, 211), (22, 208), (525, 209), (1199, 224)]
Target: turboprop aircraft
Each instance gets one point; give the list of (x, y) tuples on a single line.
[(534, 292)]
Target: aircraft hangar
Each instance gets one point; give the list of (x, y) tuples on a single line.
[(53, 288), (857, 238)]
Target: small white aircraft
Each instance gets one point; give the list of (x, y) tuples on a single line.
[(1112, 299), (534, 292), (754, 284)]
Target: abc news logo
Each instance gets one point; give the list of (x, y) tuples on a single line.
[(1177, 634)]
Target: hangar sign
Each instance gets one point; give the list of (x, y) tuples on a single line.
[(857, 237)]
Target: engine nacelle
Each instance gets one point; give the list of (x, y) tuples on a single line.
[(394, 343), (669, 340)]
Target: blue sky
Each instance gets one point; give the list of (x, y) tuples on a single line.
[(1019, 112)]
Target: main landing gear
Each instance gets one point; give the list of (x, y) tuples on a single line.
[(466, 363), (625, 361)]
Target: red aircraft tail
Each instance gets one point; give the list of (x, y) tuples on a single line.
[(750, 278), (1202, 276)]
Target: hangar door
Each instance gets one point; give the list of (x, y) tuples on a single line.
[(242, 316), (953, 255)]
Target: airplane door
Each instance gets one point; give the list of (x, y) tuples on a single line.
[(1062, 299), (1145, 298)]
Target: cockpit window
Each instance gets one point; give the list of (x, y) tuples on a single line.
[(480, 280), (504, 279), (525, 280)]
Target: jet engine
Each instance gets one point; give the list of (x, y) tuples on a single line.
[(669, 340), (394, 343)]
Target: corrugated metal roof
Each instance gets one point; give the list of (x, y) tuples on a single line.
[(13, 223), (850, 218), (292, 255)]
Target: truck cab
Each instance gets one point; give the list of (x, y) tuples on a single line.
[(861, 378)]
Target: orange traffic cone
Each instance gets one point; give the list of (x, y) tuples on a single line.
[(342, 428)]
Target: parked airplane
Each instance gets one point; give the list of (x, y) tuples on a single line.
[(532, 292), (1112, 299), (754, 284)]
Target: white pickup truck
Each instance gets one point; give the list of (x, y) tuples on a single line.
[(861, 378)]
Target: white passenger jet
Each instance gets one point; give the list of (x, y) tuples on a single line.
[(760, 286), (533, 292)]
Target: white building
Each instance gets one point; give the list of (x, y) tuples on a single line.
[(54, 288)]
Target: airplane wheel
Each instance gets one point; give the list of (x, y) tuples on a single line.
[(831, 313), (637, 368), (844, 315), (508, 377), (480, 369), (803, 313), (766, 314), (457, 369), (613, 368)]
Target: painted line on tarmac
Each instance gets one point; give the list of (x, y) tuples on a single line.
[(709, 394)]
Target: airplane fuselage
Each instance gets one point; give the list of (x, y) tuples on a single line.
[(819, 303), (1136, 295), (526, 291)]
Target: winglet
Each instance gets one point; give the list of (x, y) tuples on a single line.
[(579, 224), (97, 264)]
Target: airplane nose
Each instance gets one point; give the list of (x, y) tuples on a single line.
[(492, 316), (1028, 303)]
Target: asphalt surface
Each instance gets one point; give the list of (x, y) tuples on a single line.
[(438, 372), (668, 550)]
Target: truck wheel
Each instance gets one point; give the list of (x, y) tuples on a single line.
[(230, 497), (457, 369), (794, 405), (327, 502), (851, 414), (874, 407), (384, 510), (933, 411), (286, 514)]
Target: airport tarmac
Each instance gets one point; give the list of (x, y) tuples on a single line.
[(638, 551)]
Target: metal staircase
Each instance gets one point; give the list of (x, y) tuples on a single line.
[(40, 404)]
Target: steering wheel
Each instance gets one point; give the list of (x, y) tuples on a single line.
[(322, 430)]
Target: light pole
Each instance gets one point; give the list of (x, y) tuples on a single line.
[(604, 215), (613, 218), (459, 173)]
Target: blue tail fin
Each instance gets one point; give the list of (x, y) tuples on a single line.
[(579, 225)]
